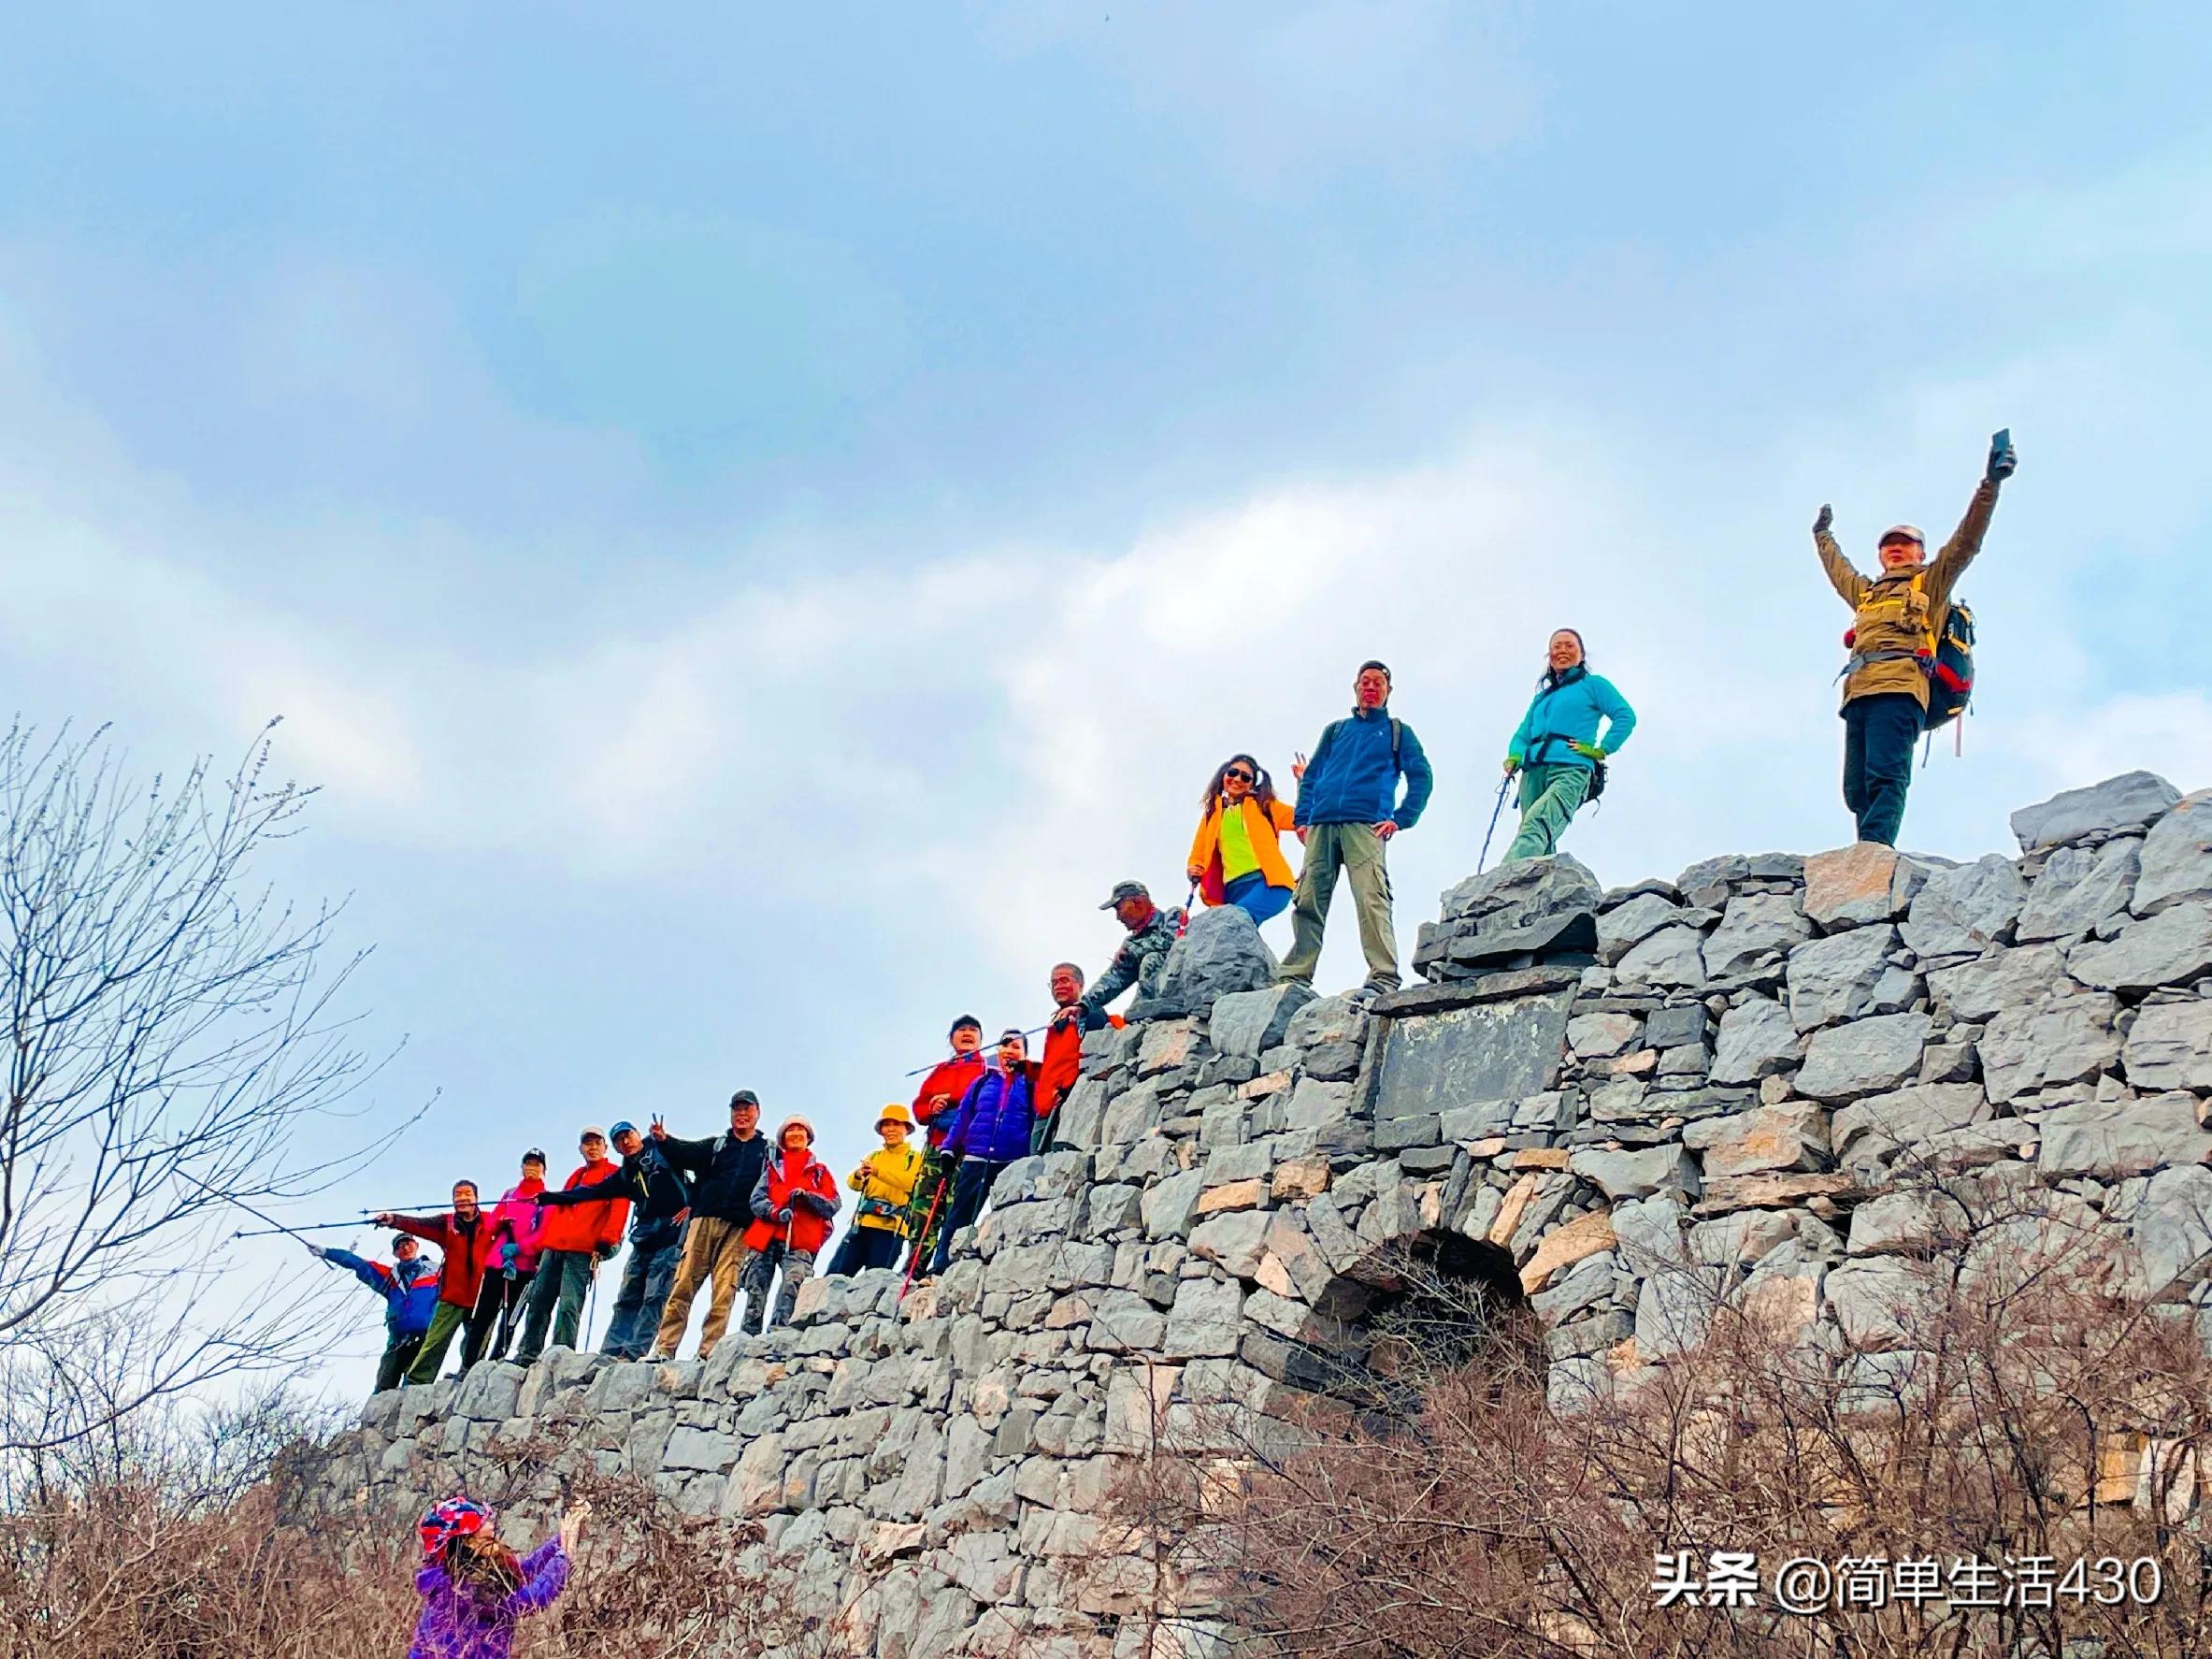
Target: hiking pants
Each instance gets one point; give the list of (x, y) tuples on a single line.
[(445, 1319), (865, 1247), (797, 1267), (1880, 732), (1551, 794), (564, 1277), (498, 1310), (714, 1249), (933, 1198), (399, 1354), (969, 1192), (647, 1278), (1358, 851), (1252, 895)]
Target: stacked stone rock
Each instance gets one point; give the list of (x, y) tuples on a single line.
[(1647, 1104)]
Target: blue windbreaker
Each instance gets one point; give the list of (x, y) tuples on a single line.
[(410, 1289), (1352, 779)]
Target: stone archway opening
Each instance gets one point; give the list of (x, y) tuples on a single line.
[(1426, 1306)]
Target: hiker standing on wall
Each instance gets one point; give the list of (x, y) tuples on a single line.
[(1348, 809), (1054, 1076), (793, 1203), (410, 1290), (1143, 957), (1237, 858), (465, 1234), (515, 1224), (1557, 747), (885, 1182), (660, 1203), (941, 1092), (572, 1244), (989, 1131), (1897, 624), (723, 1173)]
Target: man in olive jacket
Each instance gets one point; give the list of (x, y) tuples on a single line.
[(1896, 620)]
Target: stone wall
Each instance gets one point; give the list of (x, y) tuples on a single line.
[(1641, 1105)]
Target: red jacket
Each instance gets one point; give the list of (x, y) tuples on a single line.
[(953, 1078), (467, 1249), (583, 1227), (788, 1181), (1053, 1076)]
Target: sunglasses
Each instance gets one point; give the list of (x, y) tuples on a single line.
[(1241, 777)]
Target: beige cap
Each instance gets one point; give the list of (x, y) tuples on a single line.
[(1901, 533)]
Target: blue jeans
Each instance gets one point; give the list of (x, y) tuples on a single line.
[(647, 1278), (1252, 895)]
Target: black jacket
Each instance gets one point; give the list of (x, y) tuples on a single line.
[(649, 1180), (723, 1170)]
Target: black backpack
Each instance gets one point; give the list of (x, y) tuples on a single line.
[(1950, 673)]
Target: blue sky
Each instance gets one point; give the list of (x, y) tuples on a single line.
[(758, 520)]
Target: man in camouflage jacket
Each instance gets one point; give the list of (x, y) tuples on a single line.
[(1144, 955)]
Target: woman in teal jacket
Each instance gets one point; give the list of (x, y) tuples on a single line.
[(1556, 746)]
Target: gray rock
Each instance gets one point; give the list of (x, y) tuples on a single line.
[(1168, 1206), (1489, 1051), (1863, 882), (2170, 1047), (2062, 1039), (1792, 1136), (1231, 1240), (1998, 979), (1647, 1233), (1620, 929), (1962, 911), (2128, 802), (1599, 1037), (1671, 1028), (2171, 947), (2115, 1139), (1514, 895), (1901, 1222), (1866, 1057), (1882, 1123), (2080, 887), (1586, 1284), (2177, 858), (1755, 926), (1248, 1023), (1674, 1310), (1221, 953), (1635, 1175), (1846, 975), (1757, 1040), (1493, 945), (2169, 1221), (1672, 957), (1743, 1238), (1341, 1018), (1207, 1319), (1875, 1301)]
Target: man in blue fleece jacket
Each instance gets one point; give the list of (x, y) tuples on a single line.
[(1347, 809)]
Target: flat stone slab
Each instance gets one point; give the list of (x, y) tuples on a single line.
[(1487, 1051)]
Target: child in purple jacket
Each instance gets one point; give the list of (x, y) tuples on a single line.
[(475, 1590)]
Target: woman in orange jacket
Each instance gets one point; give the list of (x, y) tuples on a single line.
[(1236, 857)]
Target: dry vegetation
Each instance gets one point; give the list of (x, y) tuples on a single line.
[(2023, 1412)]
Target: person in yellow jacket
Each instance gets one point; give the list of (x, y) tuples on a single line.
[(1897, 619), (885, 1182), (1237, 858)]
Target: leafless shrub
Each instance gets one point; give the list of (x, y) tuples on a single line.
[(2023, 1407), (170, 1032)]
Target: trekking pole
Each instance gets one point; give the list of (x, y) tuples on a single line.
[(921, 1239), (920, 1070), (303, 1227), (1503, 784), (1189, 899)]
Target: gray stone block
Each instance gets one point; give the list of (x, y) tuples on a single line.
[(2128, 802), (1490, 1052), (2177, 861)]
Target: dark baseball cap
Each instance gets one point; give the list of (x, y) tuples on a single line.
[(534, 1155), (744, 1097), (1125, 890)]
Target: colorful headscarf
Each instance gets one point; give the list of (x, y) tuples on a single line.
[(454, 1519)]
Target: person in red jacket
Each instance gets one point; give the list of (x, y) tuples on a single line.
[(571, 1244), (946, 1085), (465, 1238), (793, 1203), (1053, 1076)]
